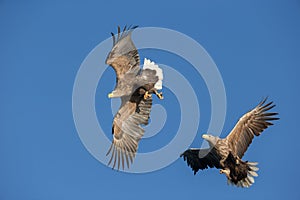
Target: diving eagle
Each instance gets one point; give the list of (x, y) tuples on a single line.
[(134, 86), (226, 154)]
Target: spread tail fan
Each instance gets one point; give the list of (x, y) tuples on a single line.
[(148, 64), (249, 180)]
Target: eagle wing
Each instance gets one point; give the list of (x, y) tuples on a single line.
[(124, 56), (126, 129), (201, 159), (251, 124)]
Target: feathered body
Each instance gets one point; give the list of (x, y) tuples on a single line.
[(134, 87), (226, 154)]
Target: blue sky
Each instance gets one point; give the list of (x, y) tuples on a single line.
[(255, 45)]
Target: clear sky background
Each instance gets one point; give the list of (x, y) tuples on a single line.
[(255, 44)]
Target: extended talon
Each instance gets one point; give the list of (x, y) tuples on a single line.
[(147, 95), (159, 95)]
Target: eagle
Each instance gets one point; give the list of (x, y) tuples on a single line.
[(226, 154), (135, 87)]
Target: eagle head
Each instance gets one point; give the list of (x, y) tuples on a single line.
[(212, 140)]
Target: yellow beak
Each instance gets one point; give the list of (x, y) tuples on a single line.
[(110, 95), (204, 136)]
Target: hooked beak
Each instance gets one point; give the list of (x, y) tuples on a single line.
[(204, 136)]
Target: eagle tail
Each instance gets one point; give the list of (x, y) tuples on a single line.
[(251, 173), (148, 64)]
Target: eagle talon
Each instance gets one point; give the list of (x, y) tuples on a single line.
[(147, 95), (159, 95)]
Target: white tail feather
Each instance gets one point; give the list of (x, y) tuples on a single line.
[(245, 184), (253, 168), (252, 163), (249, 180), (148, 64), (252, 173)]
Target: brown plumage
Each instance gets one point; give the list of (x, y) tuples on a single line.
[(226, 154), (134, 86), (126, 129)]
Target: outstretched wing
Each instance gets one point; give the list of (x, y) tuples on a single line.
[(251, 124), (126, 129), (201, 159), (124, 56)]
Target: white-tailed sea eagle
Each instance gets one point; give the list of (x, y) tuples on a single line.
[(134, 86), (226, 154)]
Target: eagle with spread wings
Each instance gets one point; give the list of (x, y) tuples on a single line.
[(135, 87), (226, 154)]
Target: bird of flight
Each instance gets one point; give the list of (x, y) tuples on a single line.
[(135, 87), (226, 154)]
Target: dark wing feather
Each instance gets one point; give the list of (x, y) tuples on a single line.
[(201, 159), (251, 124), (127, 131), (124, 56)]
